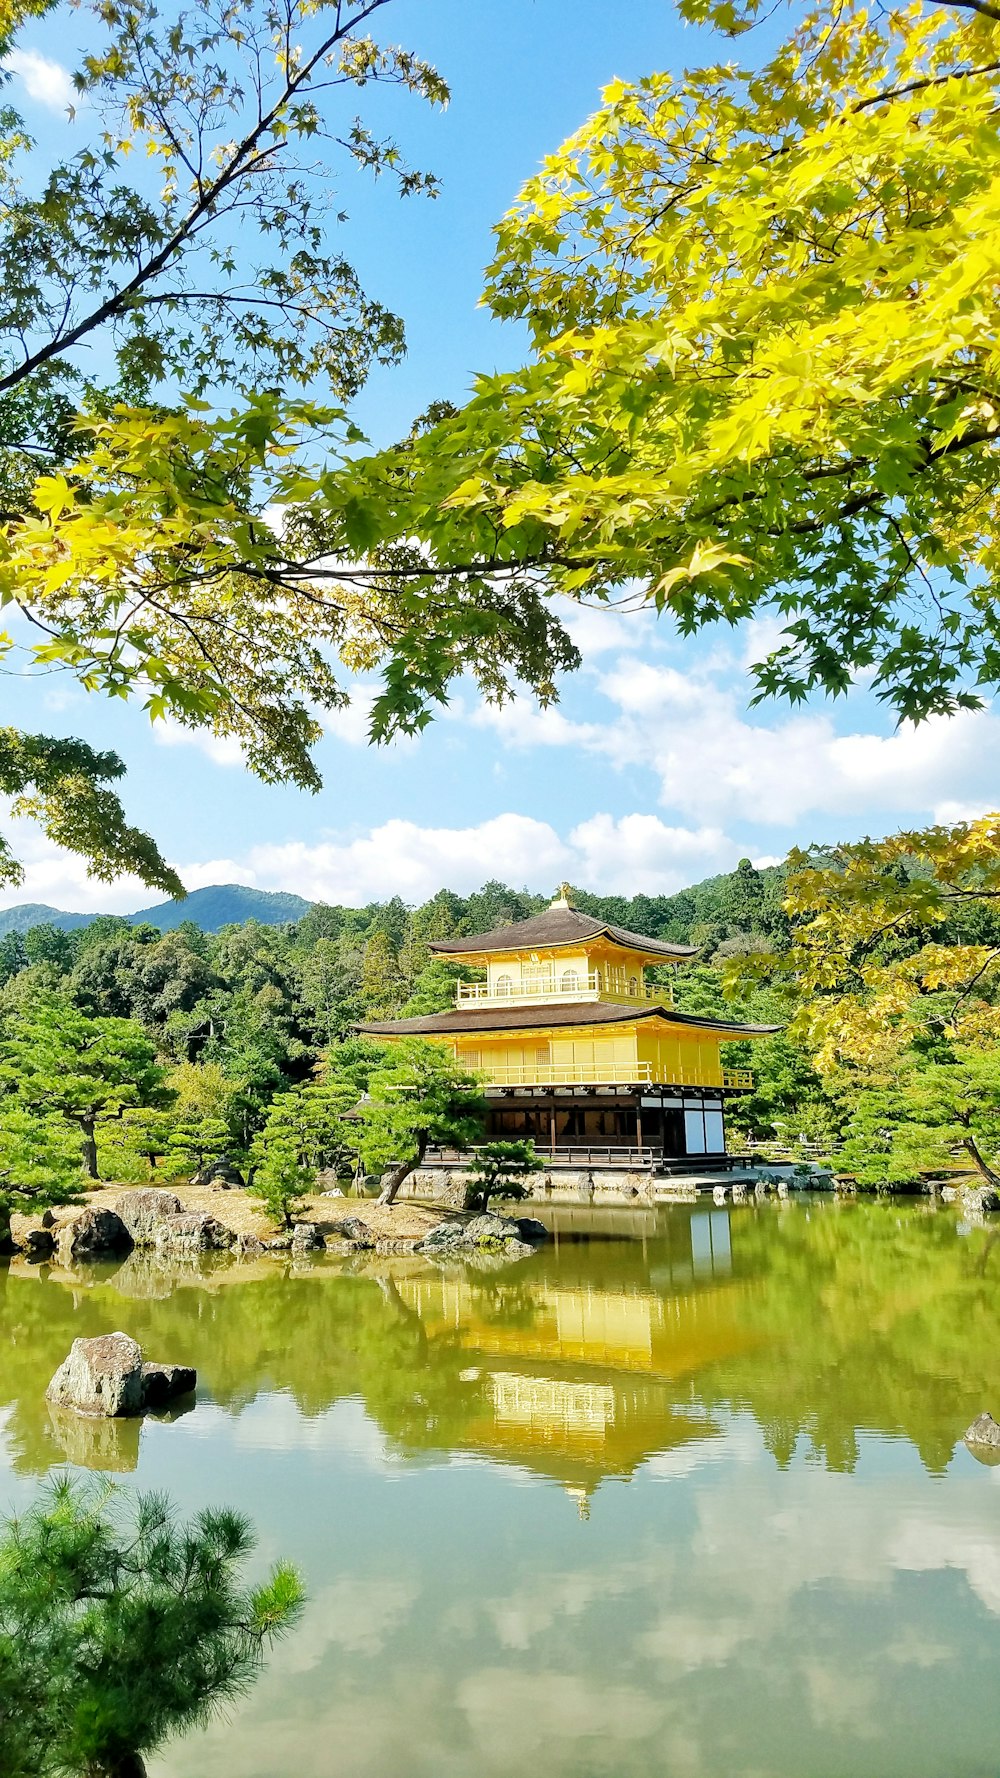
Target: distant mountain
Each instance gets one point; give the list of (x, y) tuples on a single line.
[(35, 913), (223, 904)]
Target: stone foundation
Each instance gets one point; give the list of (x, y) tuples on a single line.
[(619, 1185)]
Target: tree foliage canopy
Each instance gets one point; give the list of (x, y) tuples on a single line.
[(178, 339), (765, 374)]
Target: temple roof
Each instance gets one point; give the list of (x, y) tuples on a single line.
[(545, 1018), (559, 926)]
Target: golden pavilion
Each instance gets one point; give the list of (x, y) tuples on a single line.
[(577, 1050)]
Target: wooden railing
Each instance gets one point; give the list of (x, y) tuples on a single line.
[(566, 1074), (565, 1155), (738, 1080), (563, 1074), (551, 990)]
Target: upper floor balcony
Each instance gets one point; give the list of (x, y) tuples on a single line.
[(560, 987)]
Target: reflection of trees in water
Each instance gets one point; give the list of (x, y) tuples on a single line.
[(119, 1630), (320, 1338), (877, 1317), (508, 1305), (836, 1320)]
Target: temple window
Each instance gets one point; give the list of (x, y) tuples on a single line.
[(569, 982), (505, 984)]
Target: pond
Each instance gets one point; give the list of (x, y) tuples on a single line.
[(683, 1494)]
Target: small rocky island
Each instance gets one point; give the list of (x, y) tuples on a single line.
[(198, 1221), (107, 1378)]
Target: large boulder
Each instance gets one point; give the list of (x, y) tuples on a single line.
[(38, 1243), (102, 1376), (143, 1211), (306, 1237), (93, 1234), (223, 1175), (192, 1232), (489, 1230), (163, 1383), (531, 1230), (247, 1246), (984, 1431), (353, 1229), (978, 1198), (444, 1237), (482, 1234)]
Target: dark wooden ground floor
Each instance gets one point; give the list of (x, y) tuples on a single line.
[(648, 1122)]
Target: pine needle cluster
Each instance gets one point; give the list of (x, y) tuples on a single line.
[(120, 1627)]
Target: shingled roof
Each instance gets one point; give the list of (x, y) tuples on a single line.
[(545, 1018), (558, 927)]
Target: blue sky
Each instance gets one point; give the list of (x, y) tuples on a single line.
[(653, 772)]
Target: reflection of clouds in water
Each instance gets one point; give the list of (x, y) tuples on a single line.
[(911, 1649), (357, 1614), (513, 1717), (685, 1640), (743, 1620), (921, 1544), (741, 1444), (843, 1699), (532, 1610)]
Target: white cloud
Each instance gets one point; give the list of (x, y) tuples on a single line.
[(719, 763), (601, 629), (640, 855), (632, 854), (222, 750), (403, 858), (47, 82), (59, 879)]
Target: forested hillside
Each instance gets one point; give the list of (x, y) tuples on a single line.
[(876, 960), (246, 1013), (221, 905)]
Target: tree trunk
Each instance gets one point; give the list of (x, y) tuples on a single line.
[(89, 1149), (982, 1166), (400, 1173)]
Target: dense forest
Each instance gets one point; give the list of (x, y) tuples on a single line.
[(164, 1051), (234, 1020)]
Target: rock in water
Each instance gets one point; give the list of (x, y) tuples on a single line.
[(163, 1383), (305, 1237), (353, 1229), (486, 1233), (247, 1245), (143, 1211), (489, 1228), (443, 1237), (193, 1232), (92, 1234), (530, 1229), (102, 1376), (39, 1243), (984, 1431), (980, 1198)]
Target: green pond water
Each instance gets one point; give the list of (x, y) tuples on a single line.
[(683, 1494)]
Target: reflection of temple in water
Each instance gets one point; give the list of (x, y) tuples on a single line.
[(581, 1373)]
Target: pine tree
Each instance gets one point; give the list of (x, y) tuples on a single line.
[(502, 1170), (41, 1163), (119, 1628)]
